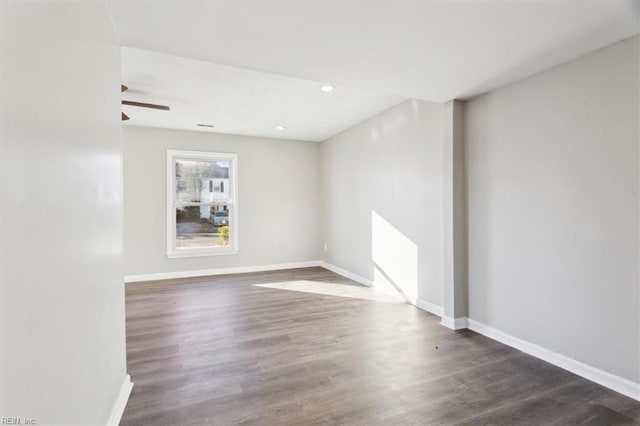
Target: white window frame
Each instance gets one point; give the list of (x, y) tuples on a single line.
[(233, 247)]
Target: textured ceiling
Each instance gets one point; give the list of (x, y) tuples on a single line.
[(239, 101), (430, 50)]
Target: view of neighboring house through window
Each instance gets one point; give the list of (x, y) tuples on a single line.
[(202, 203)]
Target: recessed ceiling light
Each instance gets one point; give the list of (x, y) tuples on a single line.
[(204, 125), (281, 127), (327, 88)]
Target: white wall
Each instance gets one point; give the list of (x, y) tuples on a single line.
[(383, 199), (62, 304), (279, 199), (552, 184)]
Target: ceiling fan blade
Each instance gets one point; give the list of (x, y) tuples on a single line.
[(125, 117), (123, 88), (143, 105)]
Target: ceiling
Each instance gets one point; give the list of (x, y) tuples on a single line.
[(239, 101), (376, 52)]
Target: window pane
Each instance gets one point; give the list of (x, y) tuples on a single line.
[(202, 181), (202, 208), (203, 226)]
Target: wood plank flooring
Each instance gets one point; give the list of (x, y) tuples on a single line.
[(271, 349)]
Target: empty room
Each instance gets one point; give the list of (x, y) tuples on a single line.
[(320, 212)]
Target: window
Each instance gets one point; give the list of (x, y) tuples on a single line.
[(216, 185), (202, 205)]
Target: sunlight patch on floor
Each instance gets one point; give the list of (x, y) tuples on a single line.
[(332, 289)]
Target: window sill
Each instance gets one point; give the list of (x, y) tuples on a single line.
[(201, 253)]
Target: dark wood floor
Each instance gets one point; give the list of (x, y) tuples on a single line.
[(223, 351)]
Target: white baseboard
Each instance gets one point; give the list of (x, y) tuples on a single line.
[(454, 323), (355, 277), (611, 381), (218, 271), (432, 308), (121, 402)]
